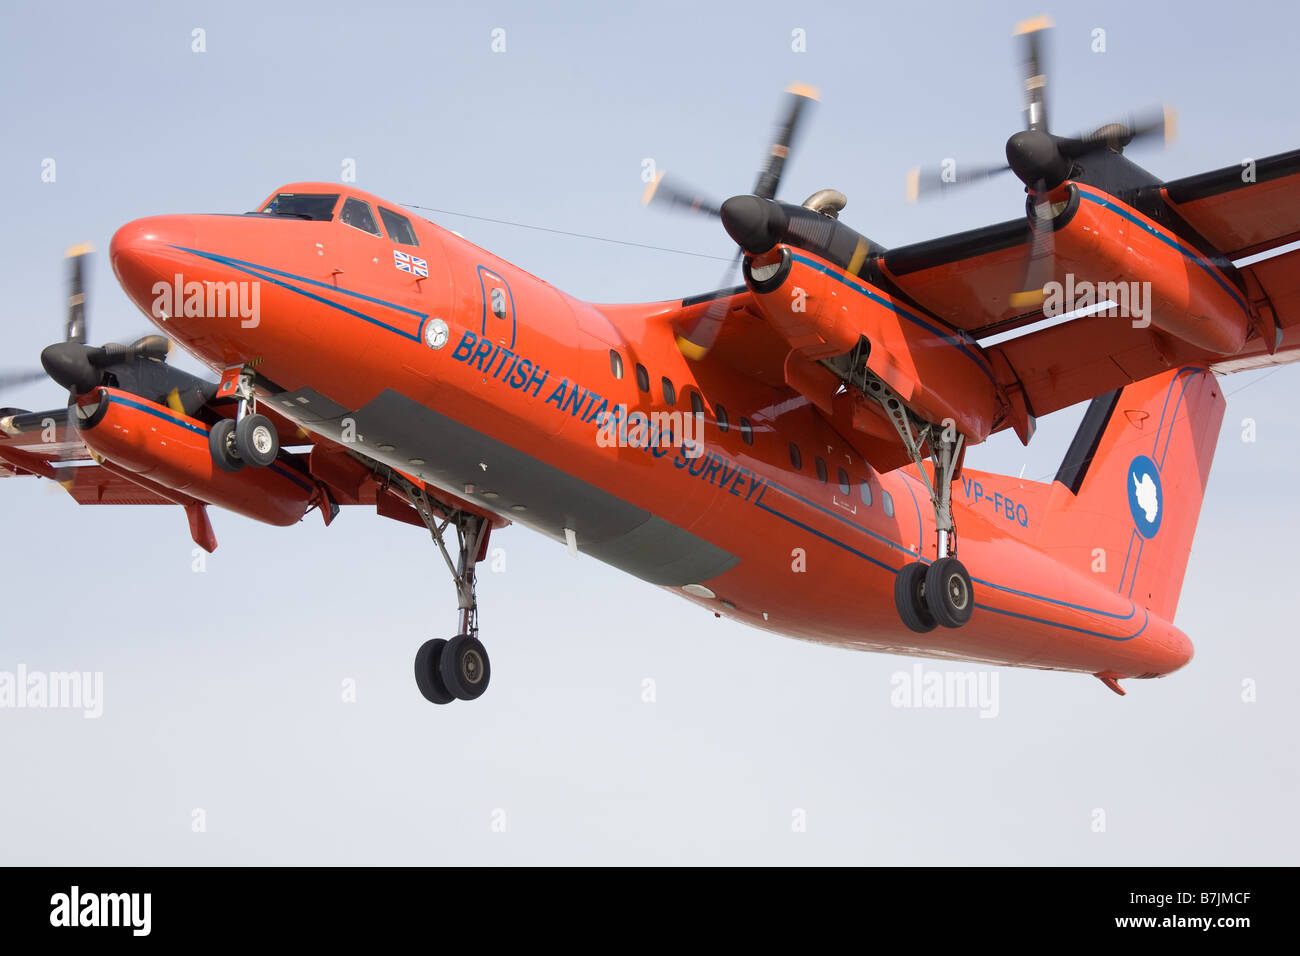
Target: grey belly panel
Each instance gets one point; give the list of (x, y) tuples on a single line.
[(609, 529)]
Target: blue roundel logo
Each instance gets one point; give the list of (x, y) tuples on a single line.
[(1146, 499)]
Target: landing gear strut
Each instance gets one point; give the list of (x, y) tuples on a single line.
[(456, 669), (249, 439), (940, 593)]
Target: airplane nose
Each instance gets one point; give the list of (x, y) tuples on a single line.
[(148, 251)]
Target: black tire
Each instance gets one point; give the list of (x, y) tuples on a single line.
[(427, 676), (909, 597), (257, 441), (465, 668), (221, 444), (949, 592)]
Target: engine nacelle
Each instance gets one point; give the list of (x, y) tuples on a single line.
[(150, 440), (823, 312), (1191, 298)]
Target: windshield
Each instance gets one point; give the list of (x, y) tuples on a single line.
[(303, 205)]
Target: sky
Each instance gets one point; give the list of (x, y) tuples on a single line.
[(261, 708)]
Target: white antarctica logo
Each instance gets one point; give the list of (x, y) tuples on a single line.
[(1145, 495), (436, 334)]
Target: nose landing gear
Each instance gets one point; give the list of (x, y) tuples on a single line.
[(249, 439)]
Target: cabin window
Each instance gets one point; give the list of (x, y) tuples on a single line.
[(887, 500), (498, 297), (746, 430), (642, 378), (721, 414), (697, 403), (796, 459), (399, 227), (844, 480), (357, 214), (670, 393), (821, 470), (865, 490), (319, 206), (616, 363)]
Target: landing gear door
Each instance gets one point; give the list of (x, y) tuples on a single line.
[(498, 320)]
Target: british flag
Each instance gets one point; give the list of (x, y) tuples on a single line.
[(412, 264)]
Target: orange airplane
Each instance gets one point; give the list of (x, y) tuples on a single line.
[(788, 452)]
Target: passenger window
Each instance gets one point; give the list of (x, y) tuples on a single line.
[(498, 302), (887, 500), (844, 481), (746, 430), (721, 414), (697, 403), (642, 378), (670, 393), (821, 469), (796, 459), (358, 215), (865, 489), (616, 363), (399, 227)]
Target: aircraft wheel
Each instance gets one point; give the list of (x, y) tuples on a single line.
[(949, 593), (427, 676), (256, 440), (909, 596), (221, 443), (464, 667)]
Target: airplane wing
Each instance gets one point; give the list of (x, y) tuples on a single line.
[(35, 443), (1274, 286), (966, 280), (1244, 209), (42, 444)]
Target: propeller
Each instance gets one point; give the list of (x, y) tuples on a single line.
[(72, 363), (1039, 158), (669, 194), (14, 379), (698, 338), (74, 326)]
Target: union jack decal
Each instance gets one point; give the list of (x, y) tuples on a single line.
[(412, 264)]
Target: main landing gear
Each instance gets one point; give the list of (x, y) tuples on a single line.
[(456, 669), (249, 439), (939, 593)]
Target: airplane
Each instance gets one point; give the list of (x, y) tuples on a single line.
[(788, 452)]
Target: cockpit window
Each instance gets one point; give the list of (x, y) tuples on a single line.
[(399, 227), (357, 214), (303, 205)]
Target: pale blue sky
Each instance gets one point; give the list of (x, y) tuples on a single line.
[(222, 689)]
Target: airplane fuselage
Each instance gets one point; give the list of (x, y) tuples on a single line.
[(489, 384)]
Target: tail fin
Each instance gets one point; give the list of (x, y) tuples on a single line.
[(1126, 500)]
